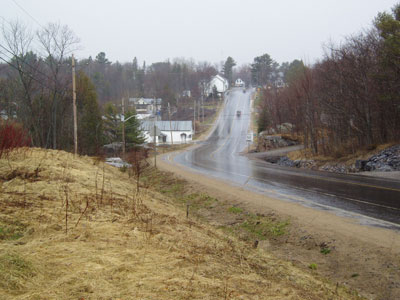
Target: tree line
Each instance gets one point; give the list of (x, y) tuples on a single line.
[(349, 98), (36, 87)]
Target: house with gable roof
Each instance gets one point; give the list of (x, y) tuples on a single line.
[(220, 83), (181, 132)]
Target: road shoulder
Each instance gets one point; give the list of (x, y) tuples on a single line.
[(362, 257)]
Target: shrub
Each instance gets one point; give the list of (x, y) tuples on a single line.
[(313, 266), (235, 210), (12, 136), (325, 250)]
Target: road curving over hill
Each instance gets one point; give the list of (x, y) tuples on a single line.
[(372, 201), (322, 208)]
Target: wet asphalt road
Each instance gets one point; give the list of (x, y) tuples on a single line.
[(372, 201)]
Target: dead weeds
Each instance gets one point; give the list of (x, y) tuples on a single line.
[(111, 242)]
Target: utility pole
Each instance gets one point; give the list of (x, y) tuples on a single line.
[(74, 107), (123, 128), (198, 111), (194, 115), (170, 125), (202, 105), (155, 146)]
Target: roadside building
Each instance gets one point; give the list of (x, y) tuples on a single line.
[(187, 93), (3, 115), (182, 131), (145, 107), (239, 82), (220, 83)]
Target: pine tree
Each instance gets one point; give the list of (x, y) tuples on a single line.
[(90, 125), (228, 69), (111, 123), (133, 133)]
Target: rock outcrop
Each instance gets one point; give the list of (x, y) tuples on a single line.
[(268, 142), (384, 161)]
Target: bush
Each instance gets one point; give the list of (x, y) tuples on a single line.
[(312, 266), (12, 136)]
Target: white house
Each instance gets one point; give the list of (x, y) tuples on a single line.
[(145, 107), (239, 82), (187, 93), (279, 83), (219, 82), (182, 131), (3, 115)]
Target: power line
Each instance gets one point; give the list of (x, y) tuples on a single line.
[(20, 7), (30, 76), (32, 67), (39, 56)]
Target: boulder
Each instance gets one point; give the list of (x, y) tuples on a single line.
[(360, 164), (267, 142), (285, 128)]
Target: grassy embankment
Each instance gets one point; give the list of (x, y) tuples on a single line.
[(74, 228)]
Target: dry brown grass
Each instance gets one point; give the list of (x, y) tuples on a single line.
[(123, 245), (347, 159)]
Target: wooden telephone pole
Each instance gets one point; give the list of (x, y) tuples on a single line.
[(74, 107), (155, 146), (123, 128), (170, 126), (194, 115)]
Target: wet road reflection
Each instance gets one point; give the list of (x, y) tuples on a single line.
[(372, 201)]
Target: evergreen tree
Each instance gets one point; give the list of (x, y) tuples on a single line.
[(101, 59), (133, 132), (228, 69), (262, 69), (111, 123), (90, 125), (135, 66), (294, 71), (264, 119)]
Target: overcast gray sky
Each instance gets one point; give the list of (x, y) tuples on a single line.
[(155, 30)]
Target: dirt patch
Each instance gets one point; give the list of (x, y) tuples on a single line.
[(361, 257)]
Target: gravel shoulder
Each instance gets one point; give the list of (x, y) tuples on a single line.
[(390, 175)]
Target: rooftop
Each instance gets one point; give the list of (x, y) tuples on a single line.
[(167, 125)]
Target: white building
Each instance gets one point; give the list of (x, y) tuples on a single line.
[(219, 82), (145, 107), (239, 82), (182, 131), (3, 115)]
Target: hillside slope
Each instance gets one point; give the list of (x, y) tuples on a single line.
[(74, 228)]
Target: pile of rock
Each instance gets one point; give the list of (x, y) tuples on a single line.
[(298, 163), (284, 128), (268, 142), (117, 162), (336, 168), (384, 161)]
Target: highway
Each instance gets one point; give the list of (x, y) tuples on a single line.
[(370, 200)]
